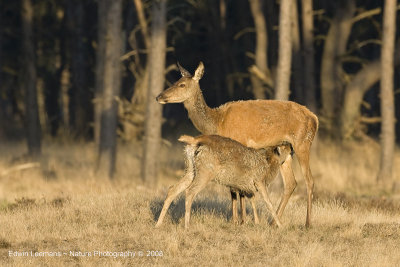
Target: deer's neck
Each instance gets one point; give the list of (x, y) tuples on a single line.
[(204, 118)]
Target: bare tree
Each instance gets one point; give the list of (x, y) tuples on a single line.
[(29, 81), (297, 58), (78, 93), (355, 90), (50, 63), (308, 47), (132, 112), (100, 57), (142, 22), (341, 99), (354, 93), (331, 65), (111, 86), (140, 69), (260, 74), (2, 117), (387, 94), (282, 90), (152, 140)]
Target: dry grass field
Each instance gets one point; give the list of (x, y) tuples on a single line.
[(67, 215)]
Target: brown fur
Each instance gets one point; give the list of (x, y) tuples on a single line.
[(225, 161), (254, 123)]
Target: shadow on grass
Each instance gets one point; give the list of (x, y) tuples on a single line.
[(381, 230), (29, 203), (177, 209)]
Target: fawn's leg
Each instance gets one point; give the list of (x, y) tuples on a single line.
[(199, 182), (173, 192), (234, 196), (242, 208), (253, 205), (261, 188)]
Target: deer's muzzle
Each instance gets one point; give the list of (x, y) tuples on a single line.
[(160, 100)]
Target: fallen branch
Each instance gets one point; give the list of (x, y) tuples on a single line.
[(370, 120), (369, 13), (20, 168), (265, 77)]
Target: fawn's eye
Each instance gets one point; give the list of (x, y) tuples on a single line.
[(182, 85)]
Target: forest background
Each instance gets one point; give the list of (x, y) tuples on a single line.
[(78, 81)]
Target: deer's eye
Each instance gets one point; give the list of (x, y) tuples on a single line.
[(182, 85)]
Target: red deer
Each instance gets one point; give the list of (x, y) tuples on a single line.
[(225, 161), (253, 123)]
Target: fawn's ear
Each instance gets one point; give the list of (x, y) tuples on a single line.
[(278, 150), (184, 72), (190, 140), (199, 72)]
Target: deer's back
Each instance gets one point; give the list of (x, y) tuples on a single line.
[(231, 163), (228, 151), (262, 123)]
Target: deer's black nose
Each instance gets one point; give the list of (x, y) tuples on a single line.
[(158, 97)]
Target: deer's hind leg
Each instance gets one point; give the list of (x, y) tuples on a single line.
[(289, 184), (303, 156)]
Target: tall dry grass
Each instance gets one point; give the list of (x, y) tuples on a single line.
[(64, 207)]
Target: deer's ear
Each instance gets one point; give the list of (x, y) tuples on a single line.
[(184, 72), (199, 72)]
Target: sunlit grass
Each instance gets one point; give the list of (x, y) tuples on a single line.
[(354, 222)]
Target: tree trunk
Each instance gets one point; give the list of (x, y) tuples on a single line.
[(100, 59), (353, 96), (111, 86), (355, 90), (272, 9), (52, 54), (142, 22), (78, 93), (387, 94), (297, 58), (214, 34), (2, 115), (331, 66), (152, 140), (285, 52), (261, 51), (29, 81), (308, 47), (140, 71)]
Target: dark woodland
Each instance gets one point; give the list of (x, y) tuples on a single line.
[(89, 71)]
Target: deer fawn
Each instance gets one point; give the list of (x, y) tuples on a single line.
[(253, 123), (225, 161)]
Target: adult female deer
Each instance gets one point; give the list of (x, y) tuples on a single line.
[(253, 123)]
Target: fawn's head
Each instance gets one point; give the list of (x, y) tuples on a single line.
[(284, 151), (185, 88), (280, 152)]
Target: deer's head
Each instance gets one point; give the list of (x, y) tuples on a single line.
[(185, 88)]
